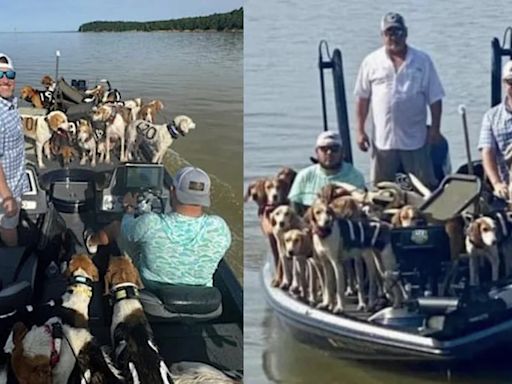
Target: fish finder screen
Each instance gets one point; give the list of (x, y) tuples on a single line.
[(144, 177)]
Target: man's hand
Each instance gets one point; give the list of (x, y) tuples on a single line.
[(10, 206), (130, 200), (434, 136), (501, 190), (363, 142)]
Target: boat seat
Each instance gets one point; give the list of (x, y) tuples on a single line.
[(182, 303)]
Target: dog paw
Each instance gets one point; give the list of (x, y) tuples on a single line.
[(337, 309), (349, 291), (361, 307), (284, 285), (275, 282), (322, 305), (83, 161), (294, 289)]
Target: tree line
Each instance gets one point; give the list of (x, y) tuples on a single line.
[(233, 20)]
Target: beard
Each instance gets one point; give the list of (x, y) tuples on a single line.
[(331, 165)]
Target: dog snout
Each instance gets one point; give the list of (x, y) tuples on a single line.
[(281, 224)]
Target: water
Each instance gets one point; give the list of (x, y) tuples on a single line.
[(196, 74), (283, 117)]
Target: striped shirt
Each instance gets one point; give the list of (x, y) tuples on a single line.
[(496, 133), (174, 248), (12, 147), (312, 179)]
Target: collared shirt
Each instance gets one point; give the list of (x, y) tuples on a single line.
[(12, 147), (399, 99), (175, 249), (496, 133), (309, 181)]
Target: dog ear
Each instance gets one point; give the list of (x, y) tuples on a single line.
[(308, 216), (248, 193), (19, 330), (139, 280), (396, 221), (475, 233)]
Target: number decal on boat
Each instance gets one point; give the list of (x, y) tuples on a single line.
[(146, 129)]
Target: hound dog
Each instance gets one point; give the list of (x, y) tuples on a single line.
[(81, 358), (36, 128), (299, 247), (117, 119), (282, 219), (336, 240), (56, 120), (87, 142), (408, 216), (61, 146), (481, 242), (48, 83), (38, 98), (135, 350), (158, 137), (149, 111), (134, 106)]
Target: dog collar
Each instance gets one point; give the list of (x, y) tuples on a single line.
[(80, 289), (124, 291), (266, 209), (80, 279), (322, 232), (55, 330), (174, 131)]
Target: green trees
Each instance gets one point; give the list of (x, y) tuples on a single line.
[(233, 20)]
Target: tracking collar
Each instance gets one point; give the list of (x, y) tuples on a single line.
[(174, 131), (80, 279), (124, 291)]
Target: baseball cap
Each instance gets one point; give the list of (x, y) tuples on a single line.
[(328, 138), (9, 66), (392, 19), (192, 186), (506, 73)]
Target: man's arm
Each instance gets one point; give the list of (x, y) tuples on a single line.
[(362, 108), (436, 110), (491, 171)]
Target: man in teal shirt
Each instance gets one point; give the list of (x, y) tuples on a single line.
[(330, 169)]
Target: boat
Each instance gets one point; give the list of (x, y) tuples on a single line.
[(443, 319), (61, 203)]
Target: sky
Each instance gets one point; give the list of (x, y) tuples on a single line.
[(68, 15)]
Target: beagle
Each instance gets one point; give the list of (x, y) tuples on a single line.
[(408, 216), (38, 99), (48, 83), (56, 120), (481, 241), (149, 111), (36, 128), (86, 142), (136, 352)]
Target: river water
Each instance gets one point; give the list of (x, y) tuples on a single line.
[(196, 74), (283, 116)]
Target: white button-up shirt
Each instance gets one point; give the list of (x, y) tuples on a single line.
[(399, 99)]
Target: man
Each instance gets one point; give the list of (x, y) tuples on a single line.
[(182, 248), (330, 169), (496, 137), (13, 179), (399, 82)]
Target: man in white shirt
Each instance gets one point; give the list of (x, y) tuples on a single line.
[(399, 82)]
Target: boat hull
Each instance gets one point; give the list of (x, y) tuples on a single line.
[(348, 337)]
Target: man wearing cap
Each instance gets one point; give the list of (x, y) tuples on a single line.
[(330, 169), (496, 138), (181, 248), (13, 179), (398, 82)]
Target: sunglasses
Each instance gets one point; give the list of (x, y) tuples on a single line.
[(508, 82), (332, 148), (11, 75), (396, 32)]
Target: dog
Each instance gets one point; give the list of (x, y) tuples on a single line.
[(408, 216), (135, 350), (159, 137), (94, 95), (117, 118), (338, 240), (282, 219), (38, 98), (37, 129), (481, 242), (56, 120), (28, 356), (134, 106), (191, 372), (149, 111), (61, 146), (86, 142), (48, 83), (80, 355), (299, 247)]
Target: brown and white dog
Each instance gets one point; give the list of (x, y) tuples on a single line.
[(158, 137), (149, 111), (56, 120), (481, 242), (38, 98), (116, 119), (136, 353), (87, 142), (48, 83), (408, 216), (80, 355), (36, 128), (282, 219)]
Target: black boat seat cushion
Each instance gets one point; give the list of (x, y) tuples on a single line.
[(183, 302)]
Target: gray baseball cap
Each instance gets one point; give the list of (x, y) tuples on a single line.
[(192, 186), (392, 19)]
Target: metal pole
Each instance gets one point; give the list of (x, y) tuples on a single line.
[(57, 55), (462, 111), (322, 83), (341, 104)]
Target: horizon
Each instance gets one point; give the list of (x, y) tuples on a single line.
[(29, 16)]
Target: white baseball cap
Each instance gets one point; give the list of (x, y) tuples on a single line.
[(192, 186), (9, 66), (506, 73), (328, 138)]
